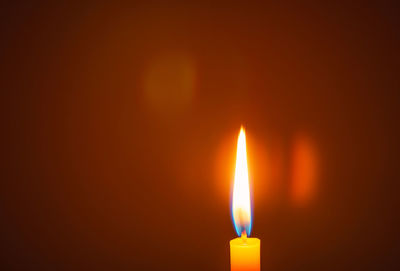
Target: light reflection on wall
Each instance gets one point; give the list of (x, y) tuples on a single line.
[(304, 170)]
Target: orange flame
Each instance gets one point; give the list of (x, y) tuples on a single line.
[(241, 205)]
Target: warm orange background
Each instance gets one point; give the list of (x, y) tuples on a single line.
[(119, 126)]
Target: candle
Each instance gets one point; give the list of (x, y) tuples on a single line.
[(245, 252)]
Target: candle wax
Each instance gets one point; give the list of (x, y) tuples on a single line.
[(245, 254)]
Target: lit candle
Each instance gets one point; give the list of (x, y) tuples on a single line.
[(245, 252)]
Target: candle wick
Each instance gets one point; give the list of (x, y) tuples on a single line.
[(244, 237)]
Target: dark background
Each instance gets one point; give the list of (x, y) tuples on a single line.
[(119, 126)]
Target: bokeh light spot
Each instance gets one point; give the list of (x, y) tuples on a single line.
[(169, 82), (304, 169)]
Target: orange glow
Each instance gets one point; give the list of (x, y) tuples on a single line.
[(241, 206), (304, 170)]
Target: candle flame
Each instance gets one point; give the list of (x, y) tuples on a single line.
[(241, 206)]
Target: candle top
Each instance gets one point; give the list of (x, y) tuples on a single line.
[(250, 242)]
